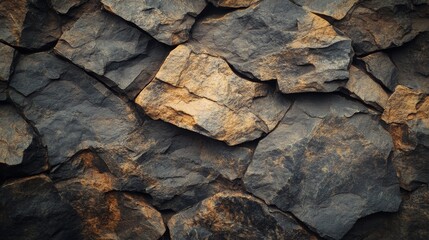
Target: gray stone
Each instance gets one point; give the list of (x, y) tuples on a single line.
[(201, 93), (233, 3), (336, 9), (28, 23), (233, 215), (6, 61), (327, 163), (71, 110), (31, 209), (382, 68), (63, 6), (278, 40), (106, 45), (412, 167), (410, 223), (364, 88), (167, 21), (21, 152)]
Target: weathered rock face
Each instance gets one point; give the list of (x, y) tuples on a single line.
[(123, 55), (53, 94), (6, 61), (87, 184), (221, 217), (31, 208), (412, 61), (63, 6), (326, 163), (381, 68), (168, 22), (407, 113), (410, 223), (279, 41), (233, 3), (28, 23), (201, 93), (376, 25), (336, 9), (21, 152), (363, 87)]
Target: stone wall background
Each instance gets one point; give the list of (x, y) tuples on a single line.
[(217, 119)]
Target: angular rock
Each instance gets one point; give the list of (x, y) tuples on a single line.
[(363, 87), (231, 215), (326, 163), (167, 21), (28, 23), (71, 110), (376, 25), (233, 3), (6, 61), (108, 46), (278, 40), (63, 6), (336, 9), (410, 223), (201, 93), (382, 68), (412, 61), (31, 208), (21, 152), (87, 184)]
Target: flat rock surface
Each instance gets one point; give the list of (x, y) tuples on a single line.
[(7, 54), (167, 21), (229, 215), (326, 163), (63, 6), (28, 23), (233, 3), (201, 93), (31, 208), (111, 48), (336, 9), (278, 40), (382, 68)]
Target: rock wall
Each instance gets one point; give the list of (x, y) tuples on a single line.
[(217, 119)]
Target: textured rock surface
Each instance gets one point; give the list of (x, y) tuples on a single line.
[(87, 184), (169, 22), (221, 217), (363, 87), (412, 167), (233, 3), (31, 208), (28, 23), (326, 163), (63, 6), (279, 41), (21, 152), (381, 68), (336, 9), (201, 93), (410, 223), (53, 94), (7, 54), (109, 47)]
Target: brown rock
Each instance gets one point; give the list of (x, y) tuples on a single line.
[(336, 9), (382, 68), (201, 93), (6, 60), (230, 215), (167, 21), (363, 87), (63, 6), (233, 3)]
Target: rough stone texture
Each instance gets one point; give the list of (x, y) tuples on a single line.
[(363, 87), (376, 25), (222, 217), (201, 93), (280, 41), (108, 46), (21, 153), (6, 60), (382, 68), (31, 208), (88, 185), (407, 113), (233, 3), (326, 163), (410, 223), (336, 9), (54, 94), (412, 61), (28, 23), (63, 6), (167, 21)]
